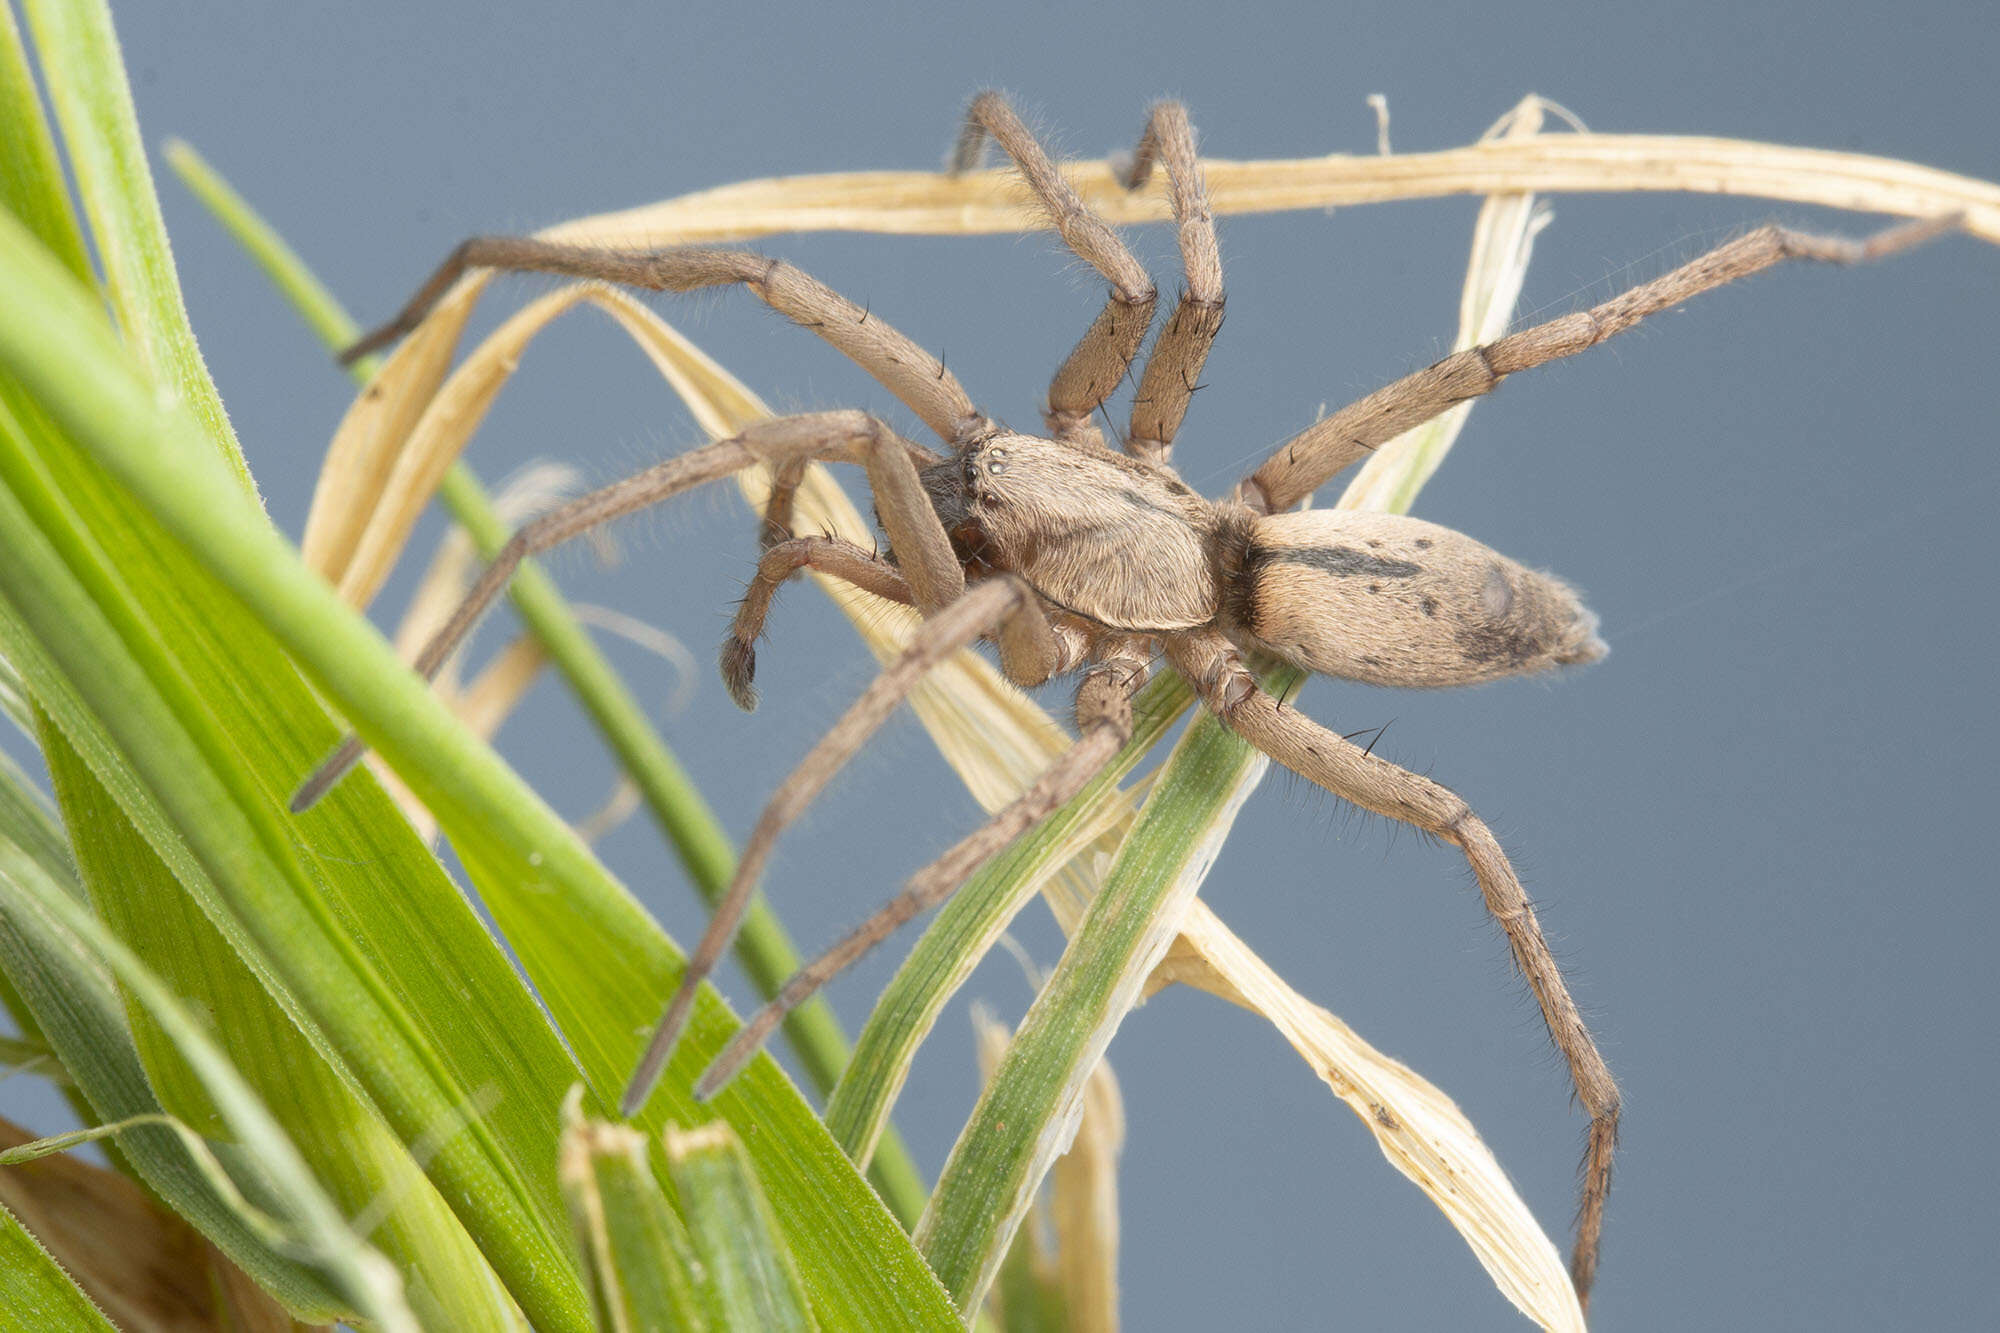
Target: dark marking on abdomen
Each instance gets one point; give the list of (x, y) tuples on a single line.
[(1510, 645), (1342, 561)]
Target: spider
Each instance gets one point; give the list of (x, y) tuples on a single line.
[(1076, 557)]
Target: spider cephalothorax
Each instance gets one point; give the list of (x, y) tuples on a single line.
[(1109, 539), (1070, 555)]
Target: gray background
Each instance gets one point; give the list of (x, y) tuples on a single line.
[(1758, 832)]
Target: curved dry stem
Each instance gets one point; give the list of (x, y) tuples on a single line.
[(929, 203)]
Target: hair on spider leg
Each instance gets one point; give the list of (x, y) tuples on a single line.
[(1620, 275), (1110, 427), (1374, 734)]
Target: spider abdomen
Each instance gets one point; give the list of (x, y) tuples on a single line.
[(1390, 600)]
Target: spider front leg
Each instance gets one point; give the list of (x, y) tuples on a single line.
[(1104, 721), (1173, 367), (1322, 757), (916, 377), (828, 555), (1005, 606), (933, 574), (1309, 459), (1102, 358)]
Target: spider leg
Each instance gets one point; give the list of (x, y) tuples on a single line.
[(1003, 603), (932, 572), (828, 555), (1306, 461), (916, 377), (1319, 755), (785, 483), (1104, 717), (1101, 359), (1173, 367)]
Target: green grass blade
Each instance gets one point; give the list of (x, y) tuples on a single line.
[(967, 926), (1029, 1298), (36, 1149), (204, 711), (1024, 1117), (14, 700), (312, 1226), (30, 826), (762, 946), (600, 964), (29, 1055), (751, 1275), (82, 1018), (34, 1291), (27, 821), (100, 128), (365, 1164), (31, 178), (179, 922), (642, 1263)]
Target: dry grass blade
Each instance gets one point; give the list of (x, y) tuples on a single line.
[(1084, 1185), (354, 479), (450, 415), (931, 204), (1503, 240), (1420, 1130)]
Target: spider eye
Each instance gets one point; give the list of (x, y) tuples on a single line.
[(996, 468)]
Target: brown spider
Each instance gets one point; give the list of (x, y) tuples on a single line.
[(1073, 556)]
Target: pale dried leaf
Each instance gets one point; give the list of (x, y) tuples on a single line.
[(990, 1039), (1503, 240), (1083, 1187), (494, 693), (933, 204), (1420, 1130), (654, 640), (619, 806), (354, 477), (449, 417)]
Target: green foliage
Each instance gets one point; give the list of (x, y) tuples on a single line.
[(353, 1012)]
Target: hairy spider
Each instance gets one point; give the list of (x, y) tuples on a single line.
[(1073, 556)]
